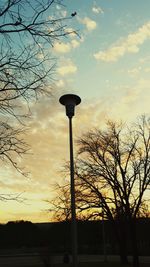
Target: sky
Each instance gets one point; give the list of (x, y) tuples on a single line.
[(107, 63)]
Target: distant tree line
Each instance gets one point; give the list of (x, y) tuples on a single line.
[(18, 234), (57, 237)]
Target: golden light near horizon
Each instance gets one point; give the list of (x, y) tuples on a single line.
[(108, 65)]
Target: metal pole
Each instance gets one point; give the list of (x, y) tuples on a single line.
[(104, 238), (73, 208), (70, 101)]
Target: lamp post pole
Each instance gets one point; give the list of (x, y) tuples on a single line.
[(73, 207), (70, 101)]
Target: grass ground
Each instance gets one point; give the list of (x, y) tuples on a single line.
[(101, 264)]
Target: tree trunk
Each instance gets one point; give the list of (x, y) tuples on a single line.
[(123, 250), (133, 237), (121, 234)]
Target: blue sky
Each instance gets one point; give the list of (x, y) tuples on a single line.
[(108, 66), (104, 26)]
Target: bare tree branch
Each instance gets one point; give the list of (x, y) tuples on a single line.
[(112, 175), (28, 30)]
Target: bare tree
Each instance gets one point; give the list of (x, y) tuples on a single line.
[(113, 174), (28, 30), (12, 145), (60, 204)]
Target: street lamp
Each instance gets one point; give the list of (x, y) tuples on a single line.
[(70, 101)]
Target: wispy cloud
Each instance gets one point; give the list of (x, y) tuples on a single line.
[(134, 71), (97, 10), (61, 11), (58, 7), (62, 47), (64, 13), (74, 43), (147, 70), (129, 45), (67, 67), (60, 83), (49, 140), (89, 23)]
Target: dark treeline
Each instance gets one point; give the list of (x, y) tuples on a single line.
[(92, 235), (18, 233)]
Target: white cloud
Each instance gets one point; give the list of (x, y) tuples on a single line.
[(89, 23), (64, 13), (97, 10), (58, 7), (134, 71), (75, 43), (40, 56), (129, 45), (147, 70), (71, 31), (68, 67), (62, 47), (60, 83)]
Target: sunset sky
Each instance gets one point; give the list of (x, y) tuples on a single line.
[(108, 65)]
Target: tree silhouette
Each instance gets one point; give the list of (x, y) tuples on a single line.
[(60, 205), (112, 175), (28, 30)]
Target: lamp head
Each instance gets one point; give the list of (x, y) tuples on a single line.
[(70, 101)]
